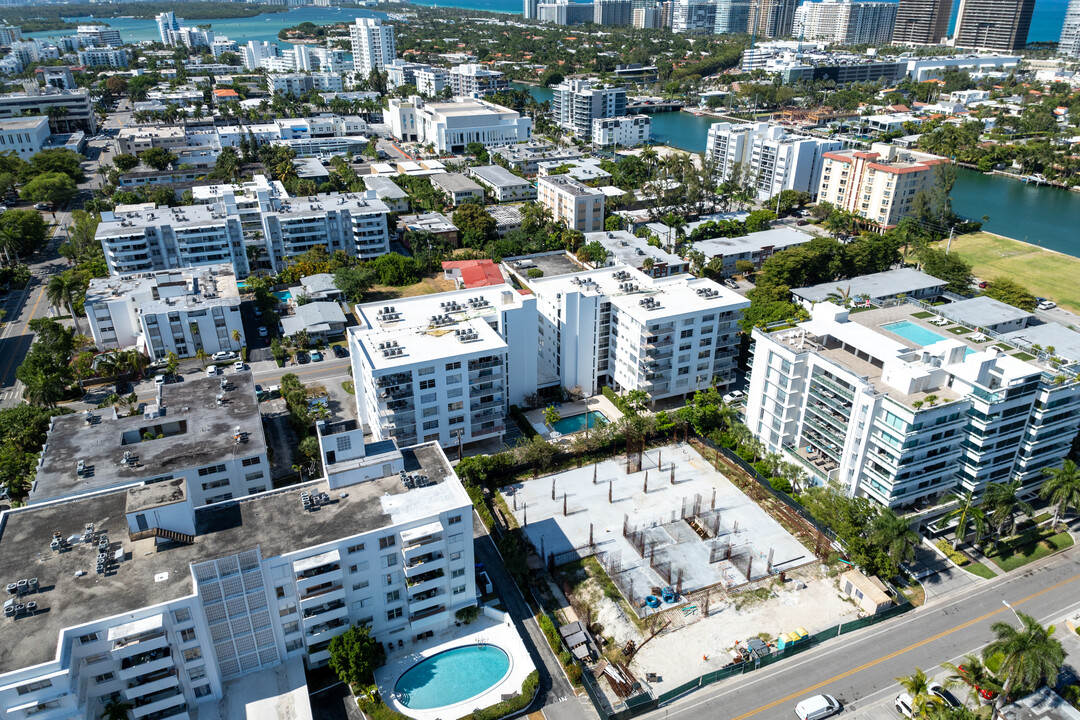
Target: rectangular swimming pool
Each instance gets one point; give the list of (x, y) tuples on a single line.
[(576, 423), (917, 334)]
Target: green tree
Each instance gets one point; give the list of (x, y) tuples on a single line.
[(1010, 292), (594, 253), (354, 281), (893, 534), (1002, 504), (1030, 656), (201, 355), (638, 400), (951, 268), (355, 654), (125, 162), (759, 220), (966, 513), (61, 290), (917, 685), (1061, 489), (476, 225), (22, 231), (162, 159), (551, 416), (59, 160), (535, 451), (116, 708), (974, 675), (55, 188)]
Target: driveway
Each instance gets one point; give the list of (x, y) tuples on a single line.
[(937, 575)]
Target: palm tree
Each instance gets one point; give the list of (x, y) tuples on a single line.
[(116, 709), (894, 535), (637, 399), (917, 686), (966, 512), (1030, 656), (840, 296), (236, 338), (10, 242), (201, 356), (44, 389), (1002, 504), (974, 675), (1062, 488), (60, 290)]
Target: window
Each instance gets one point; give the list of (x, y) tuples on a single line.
[(182, 615), (393, 614), (35, 686), (459, 589), (431, 424), (254, 476), (455, 556), (291, 627), (427, 384), (88, 638), (684, 371), (454, 406), (360, 585), (459, 572), (355, 548), (211, 470), (291, 645), (428, 398), (453, 366), (344, 442), (187, 635), (454, 520), (223, 482), (453, 379), (42, 707), (685, 334), (197, 673), (426, 371), (457, 420), (279, 591), (192, 654), (202, 690), (287, 610), (393, 596), (429, 411), (388, 541), (389, 578), (90, 660), (248, 462), (454, 392)]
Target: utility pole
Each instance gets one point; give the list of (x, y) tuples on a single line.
[(952, 234)]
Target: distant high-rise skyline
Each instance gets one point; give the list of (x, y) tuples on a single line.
[(1070, 31), (993, 24), (922, 22)]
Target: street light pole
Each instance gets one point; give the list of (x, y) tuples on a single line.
[(1006, 604)]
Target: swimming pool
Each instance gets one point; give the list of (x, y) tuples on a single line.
[(283, 295), (452, 676), (576, 423), (917, 334)]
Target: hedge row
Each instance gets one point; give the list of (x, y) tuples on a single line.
[(523, 423), (511, 706), (617, 401), (957, 557)]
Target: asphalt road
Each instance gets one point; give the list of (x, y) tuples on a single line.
[(860, 669)]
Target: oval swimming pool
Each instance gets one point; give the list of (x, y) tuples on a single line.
[(452, 676)]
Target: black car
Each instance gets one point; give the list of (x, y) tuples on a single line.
[(303, 358), (340, 351)]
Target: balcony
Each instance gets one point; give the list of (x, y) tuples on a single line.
[(431, 561), (493, 403), (319, 590), (129, 646), (145, 663), (485, 389), (427, 616), (174, 713), (318, 633), (158, 702), (151, 683), (325, 608), (424, 577), (477, 366), (414, 540)]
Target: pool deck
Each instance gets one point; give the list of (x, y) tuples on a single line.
[(492, 627), (595, 403)]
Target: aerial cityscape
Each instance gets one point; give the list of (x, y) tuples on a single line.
[(573, 360)]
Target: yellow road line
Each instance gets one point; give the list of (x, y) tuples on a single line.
[(11, 358), (901, 651)]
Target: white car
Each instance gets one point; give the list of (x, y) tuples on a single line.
[(224, 355), (263, 331), (211, 370), (238, 366), (734, 396), (817, 707), (1047, 305), (903, 705)]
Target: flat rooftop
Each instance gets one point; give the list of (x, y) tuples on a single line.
[(877, 285), (198, 432), (773, 238), (384, 186), (497, 176), (454, 182), (23, 123), (432, 222), (570, 185), (409, 324), (169, 290), (985, 312), (631, 250), (551, 264), (151, 575), (128, 219), (467, 108), (318, 205)]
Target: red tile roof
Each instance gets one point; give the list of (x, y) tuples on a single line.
[(476, 273)]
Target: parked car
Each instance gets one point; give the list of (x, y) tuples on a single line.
[(211, 370), (302, 358), (224, 355), (903, 705), (801, 223), (937, 690), (817, 707), (1047, 305), (983, 285), (238, 366), (316, 356), (263, 332), (734, 396), (340, 351), (43, 206)]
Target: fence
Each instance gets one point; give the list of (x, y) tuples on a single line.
[(751, 665)]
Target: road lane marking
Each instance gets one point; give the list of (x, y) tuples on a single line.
[(897, 653), (26, 323)]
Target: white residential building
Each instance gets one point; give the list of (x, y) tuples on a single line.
[(457, 188), (100, 35), (24, 136), (628, 131), (105, 57), (9, 34), (395, 199), (188, 602), (352, 222), (577, 103), (625, 248), (431, 81), (476, 81), (877, 404), (298, 84), (372, 45), (451, 126), (575, 205), (249, 200), (879, 185), (1069, 44), (444, 368), (504, 185), (78, 113), (256, 53), (768, 157), (403, 72), (694, 18), (223, 45), (617, 326), (846, 22), (179, 311)]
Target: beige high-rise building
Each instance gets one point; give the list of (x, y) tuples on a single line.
[(993, 24), (772, 18), (921, 22), (879, 185)]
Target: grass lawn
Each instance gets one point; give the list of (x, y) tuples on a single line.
[(427, 286), (1024, 356), (959, 330), (922, 315), (1044, 272), (1030, 546), (980, 570)]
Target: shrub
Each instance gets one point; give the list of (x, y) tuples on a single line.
[(508, 707), (618, 401), (746, 454), (519, 417), (376, 710), (574, 674), (550, 632), (957, 557), (536, 273), (781, 484)]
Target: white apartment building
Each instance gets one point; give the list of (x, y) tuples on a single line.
[(99, 35), (577, 103), (372, 45), (187, 601), (223, 45), (430, 81), (694, 18), (186, 434), (625, 248), (456, 188), (861, 403), (255, 53), (444, 368), (878, 185), (768, 156), (78, 109), (1069, 44), (297, 84), (24, 136), (145, 238), (575, 205), (179, 311), (476, 81), (504, 185), (105, 57), (629, 130), (847, 22), (617, 326), (352, 222), (395, 199), (249, 200), (9, 34), (451, 126), (403, 72)]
